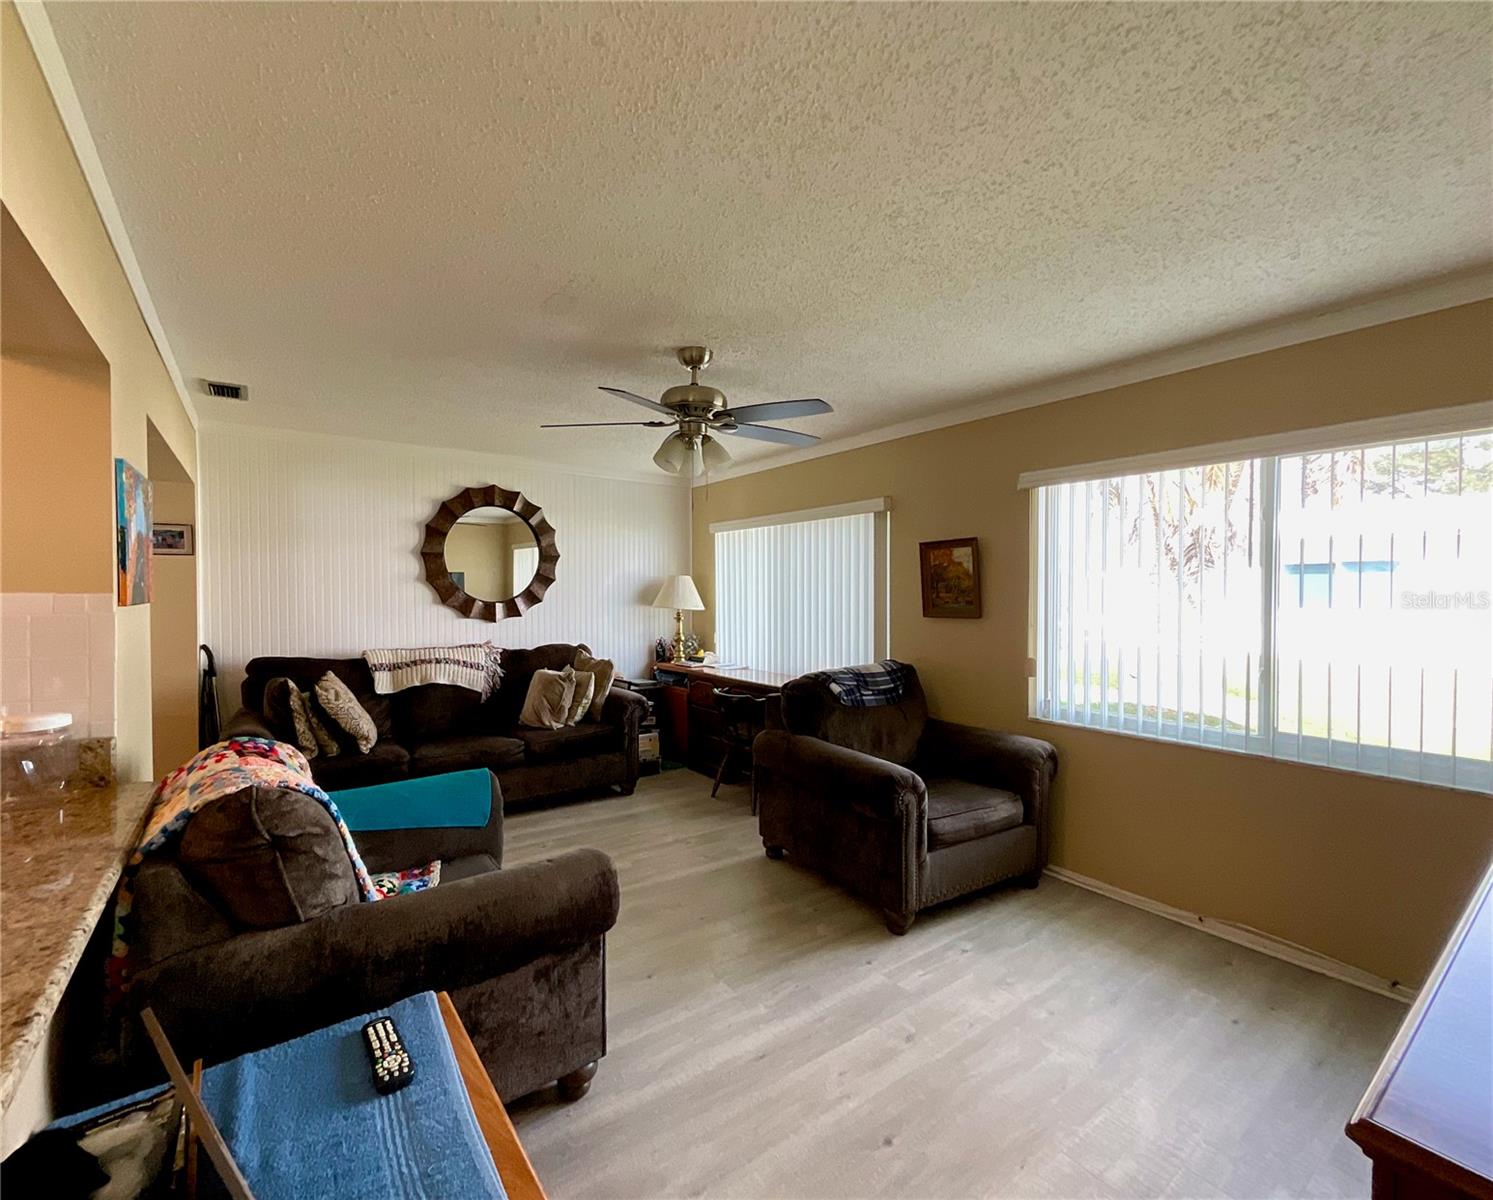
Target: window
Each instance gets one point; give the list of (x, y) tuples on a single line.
[(1329, 607), (802, 591)]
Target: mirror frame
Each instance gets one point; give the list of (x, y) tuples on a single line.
[(433, 551)]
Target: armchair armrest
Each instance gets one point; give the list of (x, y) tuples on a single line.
[(255, 989), (1025, 766), (877, 787)]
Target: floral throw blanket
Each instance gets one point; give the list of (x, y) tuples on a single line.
[(220, 770)]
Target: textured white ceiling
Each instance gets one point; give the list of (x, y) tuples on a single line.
[(448, 223)]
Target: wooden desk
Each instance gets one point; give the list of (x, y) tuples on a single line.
[(1426, 1120), (514, 1167), (688, 720)]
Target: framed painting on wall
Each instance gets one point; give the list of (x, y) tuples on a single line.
[(169, 538), (132, 520), (951, 577)]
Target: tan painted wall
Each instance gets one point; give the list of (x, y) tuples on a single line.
[(47, 194), (56, 477), (1367, 871), (173, 636)]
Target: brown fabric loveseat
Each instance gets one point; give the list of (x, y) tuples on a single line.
[(436, 728), (900, 809)]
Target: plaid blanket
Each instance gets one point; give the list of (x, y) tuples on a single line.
[(475, 666), (871, 686)]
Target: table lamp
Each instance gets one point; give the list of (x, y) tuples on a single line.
[(679, 593)]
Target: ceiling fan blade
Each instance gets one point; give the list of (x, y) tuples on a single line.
[(595, 424), (779, 410), (770, 433), (643, 400)]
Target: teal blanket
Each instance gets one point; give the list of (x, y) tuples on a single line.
[(460, 799)]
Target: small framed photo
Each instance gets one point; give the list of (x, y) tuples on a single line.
[(951, 577), (170, 539)]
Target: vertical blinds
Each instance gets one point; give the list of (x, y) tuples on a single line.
[(1330, 607), (798, 596)]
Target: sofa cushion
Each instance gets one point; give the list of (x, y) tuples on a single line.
[(459, 753), (961, 812), (268, 857), (306, 671), (467, 866), (547, 705), (387, 760), (434, 710), (569, 742)]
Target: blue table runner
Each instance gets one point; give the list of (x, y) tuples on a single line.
[(303, 1120)]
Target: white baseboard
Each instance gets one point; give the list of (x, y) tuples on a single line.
[(1243, 935)]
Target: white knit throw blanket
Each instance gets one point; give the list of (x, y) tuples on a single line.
[(475, 666)]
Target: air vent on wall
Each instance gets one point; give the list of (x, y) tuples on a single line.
[(226, 391)]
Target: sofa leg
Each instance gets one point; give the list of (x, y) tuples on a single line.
[(899, 923), (1031, 879), (577, 1083), (775, 852)]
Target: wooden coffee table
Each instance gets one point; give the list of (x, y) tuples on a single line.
[(514, 1167)]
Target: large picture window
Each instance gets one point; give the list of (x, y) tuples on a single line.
[(801, 592), (1329, 607)]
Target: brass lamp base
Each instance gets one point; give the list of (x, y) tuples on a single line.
[(679, 636)]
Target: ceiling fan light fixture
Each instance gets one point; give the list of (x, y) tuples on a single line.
[(714, 455), (672, 454)]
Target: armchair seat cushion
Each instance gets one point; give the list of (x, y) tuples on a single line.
[(569, 742), (961, 812), (466, 866), (387, 760), (465, 754)]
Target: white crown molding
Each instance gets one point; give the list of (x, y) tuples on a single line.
[(1447, 292), (493, 458), (54, 70)]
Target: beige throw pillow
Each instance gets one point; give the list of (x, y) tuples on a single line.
[(300, 715), (580, 701), (342, 707), (604, 673), (548, 702), (325, 742)]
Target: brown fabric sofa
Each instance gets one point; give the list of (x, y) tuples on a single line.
[(902, 810), (520, 950), (433, 729)]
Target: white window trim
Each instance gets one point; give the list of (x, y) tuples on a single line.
[(849, 509), (1376, 431)]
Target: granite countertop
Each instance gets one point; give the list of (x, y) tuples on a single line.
[(60, 857)]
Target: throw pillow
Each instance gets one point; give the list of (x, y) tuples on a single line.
[(342, 707), (300, 720), (604, 672), (580, 700), (276, 708), (269, 857), (548, 702), (325, 742)]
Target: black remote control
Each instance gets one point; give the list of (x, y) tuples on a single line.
[(391, 1064)]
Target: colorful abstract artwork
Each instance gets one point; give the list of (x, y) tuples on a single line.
[(132, 521)]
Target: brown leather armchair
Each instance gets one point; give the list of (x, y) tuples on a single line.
[(900, 809)]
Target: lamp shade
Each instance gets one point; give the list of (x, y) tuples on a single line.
[(713, 454), (673, 454), (679, 592)]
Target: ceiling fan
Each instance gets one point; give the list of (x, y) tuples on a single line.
[(698, 411)]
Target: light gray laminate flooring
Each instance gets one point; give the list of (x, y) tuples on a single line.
[(769, 1038)]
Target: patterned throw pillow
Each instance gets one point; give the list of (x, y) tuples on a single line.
[(325, 742), (342, 708), (604, 672), (288, 715), (580, 700)]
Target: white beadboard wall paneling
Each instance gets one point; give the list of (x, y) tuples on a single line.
[(311, 545)]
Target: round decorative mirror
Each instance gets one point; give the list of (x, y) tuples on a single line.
[(489, 553)]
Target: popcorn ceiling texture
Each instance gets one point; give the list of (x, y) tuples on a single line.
[(447, 223)]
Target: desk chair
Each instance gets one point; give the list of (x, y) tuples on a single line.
[(743, 717)]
